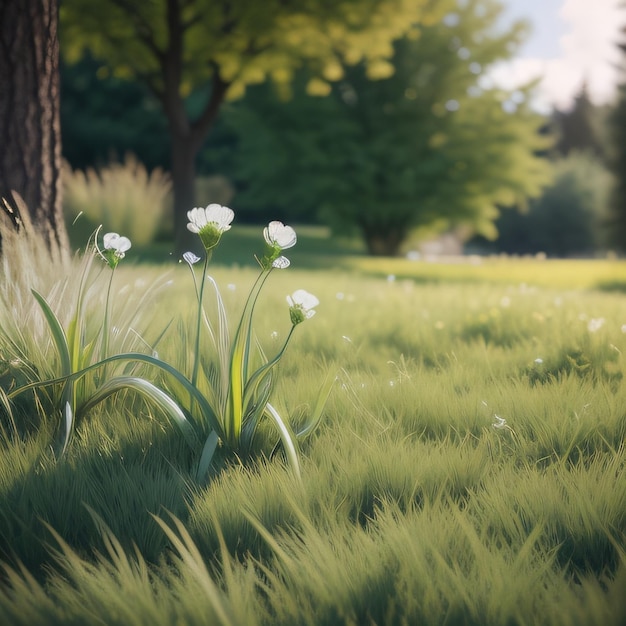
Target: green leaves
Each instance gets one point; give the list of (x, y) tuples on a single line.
[(215, 399)]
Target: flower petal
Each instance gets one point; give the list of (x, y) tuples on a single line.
[(277, 234), (110, 240), (220, 215), (190, 257), (281, 263), (123, 244)]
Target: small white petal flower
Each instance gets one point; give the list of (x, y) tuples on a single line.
[(277, 235), (538, 360), (191, 258), (112, 241), (115, 248), (210, 223), (301, 306), (281, 263)]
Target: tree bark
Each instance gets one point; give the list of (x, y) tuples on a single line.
[(30, 127)]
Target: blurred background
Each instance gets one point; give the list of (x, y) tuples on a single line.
[(409, 127)]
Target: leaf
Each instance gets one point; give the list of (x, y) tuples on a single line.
[(58, 334), (316, 414), (68, 421), (286, 438), (150, 392), (210, 446)]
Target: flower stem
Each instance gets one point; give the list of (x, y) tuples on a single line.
[(196, 359)]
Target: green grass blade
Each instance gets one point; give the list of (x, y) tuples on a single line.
[(58, 334), (210, 446), (316, 414), (68, 422), (205, 407), (286, 438), (239, 358), (152, 393)]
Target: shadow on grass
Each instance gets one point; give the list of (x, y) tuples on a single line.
[(612, 286)]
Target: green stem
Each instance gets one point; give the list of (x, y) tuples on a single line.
[(196, 358), (104, 350), (239, 363)]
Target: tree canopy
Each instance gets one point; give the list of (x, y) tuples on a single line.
[(178, 46), (435, 141)]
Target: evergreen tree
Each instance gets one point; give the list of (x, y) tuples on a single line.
[(617, 220), (577, 129)]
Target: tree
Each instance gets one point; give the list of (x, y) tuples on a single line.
[(30, 159), (617, 123), (578, 128), (568, 219), (433, 142), (177, 47)]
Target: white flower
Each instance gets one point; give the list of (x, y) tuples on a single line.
[(112, 241), (301, 306), (281, 263), (538, 360), (210, 223), (277, 235), (115, 248), (191, 258), (499, 422), (217, 215)]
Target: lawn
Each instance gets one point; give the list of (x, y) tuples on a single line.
[(470, 466)]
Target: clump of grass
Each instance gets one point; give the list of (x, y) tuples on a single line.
[(124, 196)]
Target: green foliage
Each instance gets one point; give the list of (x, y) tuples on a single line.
[(244, 42), (103, 118), (216, 50), (432, 142), (571, 216), (123, 196), (580, 128)]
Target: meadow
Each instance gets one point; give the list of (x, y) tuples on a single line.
[(469, 467)]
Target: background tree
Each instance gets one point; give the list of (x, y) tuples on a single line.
[(30, 158), (433, 142), (617, 123), (580, 128), (178, 46), (568, 219)]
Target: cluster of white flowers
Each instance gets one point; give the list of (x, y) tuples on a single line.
[(211, 222)]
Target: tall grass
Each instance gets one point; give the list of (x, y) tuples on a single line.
[(125, 197), (412, 508)]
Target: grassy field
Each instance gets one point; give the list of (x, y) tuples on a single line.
[(470, 467)]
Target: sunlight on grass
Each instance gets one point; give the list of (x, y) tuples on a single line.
[(413, 506)]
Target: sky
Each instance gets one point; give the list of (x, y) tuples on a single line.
[(572, 41)]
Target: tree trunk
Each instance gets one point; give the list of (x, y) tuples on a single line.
[(184, 154), (383, 242), (30, 156)]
